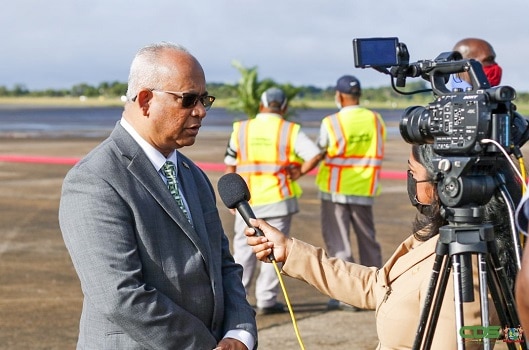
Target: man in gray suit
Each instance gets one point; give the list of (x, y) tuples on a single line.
[(152, 257)]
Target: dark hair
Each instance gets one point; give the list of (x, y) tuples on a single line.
[(425, 227), (497, 215), (275, 106)]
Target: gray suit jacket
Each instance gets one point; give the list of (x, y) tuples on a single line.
[(150, 280)]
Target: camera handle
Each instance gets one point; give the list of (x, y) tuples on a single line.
[(456, 245), (438, 71)]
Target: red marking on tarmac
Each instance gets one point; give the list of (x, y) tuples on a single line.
[(394, 175), (37, 159), (219, 167)]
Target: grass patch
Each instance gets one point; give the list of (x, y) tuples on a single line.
[(522, 108), (60, 102)]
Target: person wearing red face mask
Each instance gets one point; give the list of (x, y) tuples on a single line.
[(483, 52)]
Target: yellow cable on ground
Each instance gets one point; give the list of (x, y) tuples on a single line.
[(288, 305)]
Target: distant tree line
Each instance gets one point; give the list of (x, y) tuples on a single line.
[(107, 89), (221, 90), (244, 95), (226, 91)]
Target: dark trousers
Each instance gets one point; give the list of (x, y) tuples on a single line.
[(336, 221)]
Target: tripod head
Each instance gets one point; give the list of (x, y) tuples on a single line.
[(464, 185)]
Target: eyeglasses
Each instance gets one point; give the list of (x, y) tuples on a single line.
[(189, 99)]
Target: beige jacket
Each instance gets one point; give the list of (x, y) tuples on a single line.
[(396, 291)]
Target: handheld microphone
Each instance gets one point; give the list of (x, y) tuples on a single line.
[(235, 194)]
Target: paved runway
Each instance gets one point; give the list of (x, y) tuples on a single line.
[(40, 297)]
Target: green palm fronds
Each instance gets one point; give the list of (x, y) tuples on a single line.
[(249, 90)]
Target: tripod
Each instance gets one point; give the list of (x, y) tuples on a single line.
[(464, 237)]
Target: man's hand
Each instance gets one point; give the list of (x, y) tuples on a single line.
[(230, 344), (294, 171)]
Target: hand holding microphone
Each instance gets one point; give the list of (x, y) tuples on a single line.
[(275, 241), (235, 194)]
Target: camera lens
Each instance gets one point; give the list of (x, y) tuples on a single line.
[(414, 125)]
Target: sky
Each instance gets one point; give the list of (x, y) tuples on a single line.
[(60, 43)]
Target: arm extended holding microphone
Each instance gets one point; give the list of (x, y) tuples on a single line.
[(268, 243)]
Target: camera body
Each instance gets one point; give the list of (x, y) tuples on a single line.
[(457, 121), (468, 129)]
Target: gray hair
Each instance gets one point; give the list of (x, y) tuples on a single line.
[(146, 70)]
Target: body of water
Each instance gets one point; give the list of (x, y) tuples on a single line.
[(99, 121)]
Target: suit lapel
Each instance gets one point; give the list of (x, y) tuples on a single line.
[(191, 193), (142, 169)]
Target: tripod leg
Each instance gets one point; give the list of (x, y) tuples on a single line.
[(444, 277), (504, 314), (502, 294), (458, 299), (441, 251), (484, 300)]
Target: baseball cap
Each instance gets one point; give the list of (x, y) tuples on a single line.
[(274, 96), (348, 85)]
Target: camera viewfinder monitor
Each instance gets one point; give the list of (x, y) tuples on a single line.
[(376, 52)]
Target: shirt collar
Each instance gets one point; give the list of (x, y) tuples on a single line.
[(157, 159), (346, 108), (268, 115)]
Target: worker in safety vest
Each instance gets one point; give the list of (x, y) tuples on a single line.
[(348, 176), (270, 153)]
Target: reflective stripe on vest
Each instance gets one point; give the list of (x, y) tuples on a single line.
[(354, 159)]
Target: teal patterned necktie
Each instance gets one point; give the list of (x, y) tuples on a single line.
[(169, 170)]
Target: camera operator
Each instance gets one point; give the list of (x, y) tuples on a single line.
[(397, 290), (481, 51)]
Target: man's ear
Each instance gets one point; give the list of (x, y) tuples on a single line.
[(144, 100), (338, 97)]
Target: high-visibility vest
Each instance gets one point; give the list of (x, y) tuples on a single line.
[(265, 148), (355, 151)]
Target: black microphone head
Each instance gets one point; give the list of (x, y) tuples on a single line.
[(233, 190)]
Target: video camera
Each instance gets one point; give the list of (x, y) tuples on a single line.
[(468, 129), (458, 120)]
